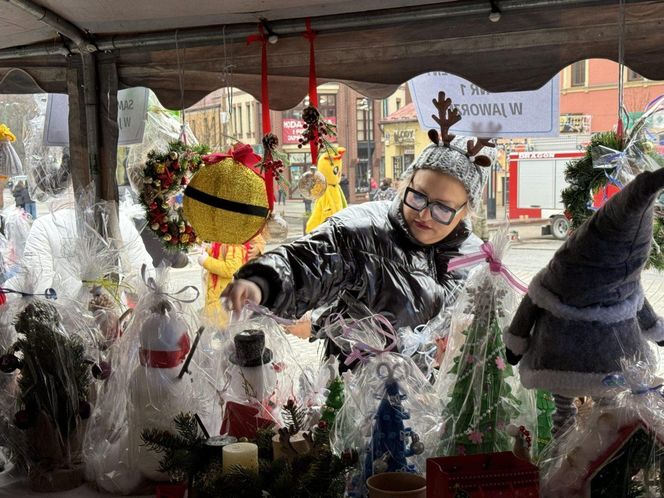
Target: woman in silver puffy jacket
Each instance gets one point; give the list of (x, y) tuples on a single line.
[(390, 256)]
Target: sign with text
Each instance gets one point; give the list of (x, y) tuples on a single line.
[(132, 110), (292, 129), (505, 114)]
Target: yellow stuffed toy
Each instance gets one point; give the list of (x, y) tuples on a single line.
[(333, 199)]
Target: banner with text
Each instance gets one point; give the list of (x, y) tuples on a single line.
[(132, 110), (506, 114), (292, 130)]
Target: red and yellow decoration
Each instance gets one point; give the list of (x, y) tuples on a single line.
[(226, 201), (165, 176)]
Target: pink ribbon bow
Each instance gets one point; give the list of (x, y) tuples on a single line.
[(488, 254), (361, 351)]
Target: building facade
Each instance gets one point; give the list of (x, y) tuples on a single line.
[(228, 115), (589, 95)]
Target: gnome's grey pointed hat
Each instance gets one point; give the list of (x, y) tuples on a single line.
[(601, 262)]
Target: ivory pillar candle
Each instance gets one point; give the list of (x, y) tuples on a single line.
[(243, 454)]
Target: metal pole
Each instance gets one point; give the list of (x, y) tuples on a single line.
[(59, 24)]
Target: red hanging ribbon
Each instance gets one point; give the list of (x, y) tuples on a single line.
[(265, 108), (310, 35)]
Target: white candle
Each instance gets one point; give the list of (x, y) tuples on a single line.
[(243, 454)]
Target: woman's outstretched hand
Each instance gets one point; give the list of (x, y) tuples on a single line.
[(239, 292)]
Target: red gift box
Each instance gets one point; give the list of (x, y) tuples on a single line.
[(242, 421), (170, 490), (482, 476)]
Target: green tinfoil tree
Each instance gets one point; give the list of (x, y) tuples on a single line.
[(482, 403)]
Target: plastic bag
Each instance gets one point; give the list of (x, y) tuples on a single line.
[(641, 152), (161, 128), (154, 376), (481, 391), (17, 225), (616, 449), (46, 404), (259, 371), (389, 407), (10, 163)]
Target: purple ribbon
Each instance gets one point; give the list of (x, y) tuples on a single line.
[(361, 351), (488, 253)]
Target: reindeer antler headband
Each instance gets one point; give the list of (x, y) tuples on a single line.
[(447, 117)]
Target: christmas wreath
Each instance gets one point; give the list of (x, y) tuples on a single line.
[(165, 176), (585, 181)]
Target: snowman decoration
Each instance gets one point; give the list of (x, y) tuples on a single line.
[(156, 392)]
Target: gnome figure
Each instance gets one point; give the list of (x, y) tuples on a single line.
[(156, 393), (586, 310)]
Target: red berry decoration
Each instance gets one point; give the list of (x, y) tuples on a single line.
[(9, 363), (322, 425), (166, 175), (22, 419)]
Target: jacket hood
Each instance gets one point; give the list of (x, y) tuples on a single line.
[(601, 262)]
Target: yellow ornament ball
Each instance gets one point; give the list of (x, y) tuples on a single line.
[(226, 202)]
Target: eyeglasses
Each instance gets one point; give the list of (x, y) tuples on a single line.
[(440, 212)]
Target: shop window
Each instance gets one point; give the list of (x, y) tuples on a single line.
[(578, 74), (634, 76), (397, 166), (364, 121)]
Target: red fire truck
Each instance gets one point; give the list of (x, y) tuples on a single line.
[(535, 184)]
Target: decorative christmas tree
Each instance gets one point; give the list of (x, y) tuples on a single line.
[(53, 383), (545, 409), (334, 402), (387, 451), (482, 404)]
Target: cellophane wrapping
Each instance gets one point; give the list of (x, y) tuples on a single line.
[(47, 167), (161, 128), (617, 448), (10, 163), (17, 225), (144, 388), (481, 392), (47, 392), (390, 408), (259, 372)]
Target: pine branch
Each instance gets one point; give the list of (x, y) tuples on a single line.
[(293, 416)]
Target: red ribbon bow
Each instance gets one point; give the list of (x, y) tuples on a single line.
[(242, 153)]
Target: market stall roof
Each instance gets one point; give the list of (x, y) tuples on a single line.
[(184, 50)]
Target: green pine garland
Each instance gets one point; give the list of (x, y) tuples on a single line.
[(584, 180), (318, 473)]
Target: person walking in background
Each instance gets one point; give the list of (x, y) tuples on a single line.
[(30, 205), (373, 186), (19, 194), (385, 192), (343, 184), (281, 197)]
